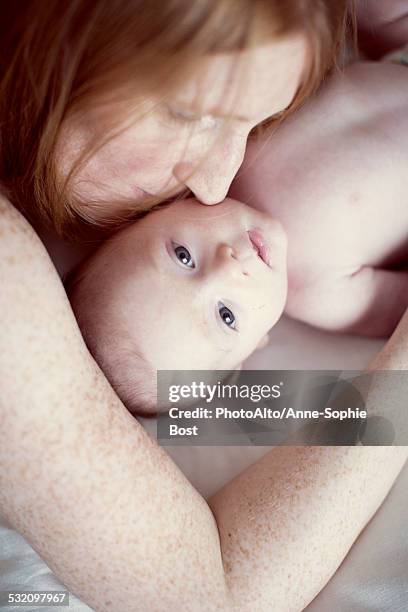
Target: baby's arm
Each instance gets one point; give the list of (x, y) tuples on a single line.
[(370, 302), (110, 512)]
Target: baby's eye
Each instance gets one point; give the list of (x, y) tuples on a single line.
[(227, 316), (183, 255)]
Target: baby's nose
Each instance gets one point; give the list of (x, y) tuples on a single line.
[(233, 259)]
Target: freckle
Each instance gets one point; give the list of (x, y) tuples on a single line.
[(229, 535)]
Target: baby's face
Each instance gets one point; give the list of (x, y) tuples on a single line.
[(193, 286)]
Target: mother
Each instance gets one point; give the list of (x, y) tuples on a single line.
[(108, 107)]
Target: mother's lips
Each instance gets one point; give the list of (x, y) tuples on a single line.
[(260, 246)]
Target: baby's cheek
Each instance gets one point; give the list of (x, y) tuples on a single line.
[(275, 300)]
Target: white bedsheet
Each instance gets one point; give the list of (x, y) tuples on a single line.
[(373, 577)]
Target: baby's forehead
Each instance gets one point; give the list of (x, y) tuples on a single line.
[(186, 211), (227, 206), (191, 210)]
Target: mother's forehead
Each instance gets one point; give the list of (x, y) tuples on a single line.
[(247, 84)]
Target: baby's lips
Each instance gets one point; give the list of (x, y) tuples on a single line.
[(261, 245), (278, 241)]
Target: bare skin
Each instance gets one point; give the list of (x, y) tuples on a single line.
[(152, 542), (343, 203), (343, 206), (185, 271), (113, 516), (194, 138)]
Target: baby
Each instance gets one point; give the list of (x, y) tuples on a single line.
[(188, 287), (198, 287)]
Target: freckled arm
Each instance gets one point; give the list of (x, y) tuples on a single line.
[(287, 522), (109, 511), (104, 506)]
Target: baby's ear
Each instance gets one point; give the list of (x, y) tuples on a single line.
[(263, 342)]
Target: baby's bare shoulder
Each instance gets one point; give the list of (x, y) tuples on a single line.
[(338, 166), (348, 133), (368, 86)]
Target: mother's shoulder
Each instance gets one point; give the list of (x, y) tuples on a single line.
[(15, 230), (21, 233)]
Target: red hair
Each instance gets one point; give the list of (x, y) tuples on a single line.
[(58, 56)]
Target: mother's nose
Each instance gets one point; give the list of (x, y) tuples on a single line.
[(210, 177)]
